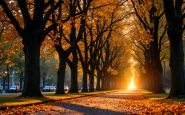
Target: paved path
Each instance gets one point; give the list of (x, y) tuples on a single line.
[(127, 102), (102, 104)]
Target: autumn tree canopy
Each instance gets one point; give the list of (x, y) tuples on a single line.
[(92, 36)]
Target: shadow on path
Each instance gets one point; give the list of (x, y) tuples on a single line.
[(89, 110), (127, 94)]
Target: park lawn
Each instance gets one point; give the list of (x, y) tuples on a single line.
[(161, 97), (12, 100), (150, 95)]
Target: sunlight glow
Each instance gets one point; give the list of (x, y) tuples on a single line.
[(132, 85)]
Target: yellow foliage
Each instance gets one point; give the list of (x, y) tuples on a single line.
[(7, 61), (47, 61), (112, 71)]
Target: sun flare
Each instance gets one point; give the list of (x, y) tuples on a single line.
[(132, 86)]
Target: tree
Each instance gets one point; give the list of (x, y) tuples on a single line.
[(98, 30), (44, 70), (111, 53), (61, 35), (33, 33), (10, 48), (150, 15), (19, 65), (174, 16)]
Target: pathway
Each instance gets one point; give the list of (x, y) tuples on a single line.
[(126, 102), (103, 104)]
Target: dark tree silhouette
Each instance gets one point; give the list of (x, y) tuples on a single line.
[(174, 19), (33, 34)]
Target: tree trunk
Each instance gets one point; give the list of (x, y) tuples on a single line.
[(32, 69), (106, 83), (98, 82), (43, 82), (158, 82), (112, 82), (156, 62), (74, 73), (21, 79), (91, 76), (4, 81), (174, 19), (107, 80), (61, 73), (116, 82), (85, 66), (84, 89), (176, 63), (99, 75), (156, 68), (103, 83), (74, 81), (91, 85)]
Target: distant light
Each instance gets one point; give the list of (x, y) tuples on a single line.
[(132, 86)]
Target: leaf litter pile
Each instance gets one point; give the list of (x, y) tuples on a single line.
[(125, 102)]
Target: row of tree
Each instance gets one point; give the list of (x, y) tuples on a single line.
[(150, 51), (84, 31), (86, 34)]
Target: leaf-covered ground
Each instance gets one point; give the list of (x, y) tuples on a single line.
[(117, 103), (13, 100)]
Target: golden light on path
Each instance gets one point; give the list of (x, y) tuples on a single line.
[(132, 85)]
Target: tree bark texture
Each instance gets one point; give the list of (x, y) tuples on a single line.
[(85, 69), (91, 78), (61, 73), (32, 68), (176, 64), (174, 19)]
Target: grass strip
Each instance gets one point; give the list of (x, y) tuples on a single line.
[(161, 97), (12, 100), (150, 95)]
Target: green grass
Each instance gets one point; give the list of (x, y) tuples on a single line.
[(150, 95), (160, 97), (12, 100)]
